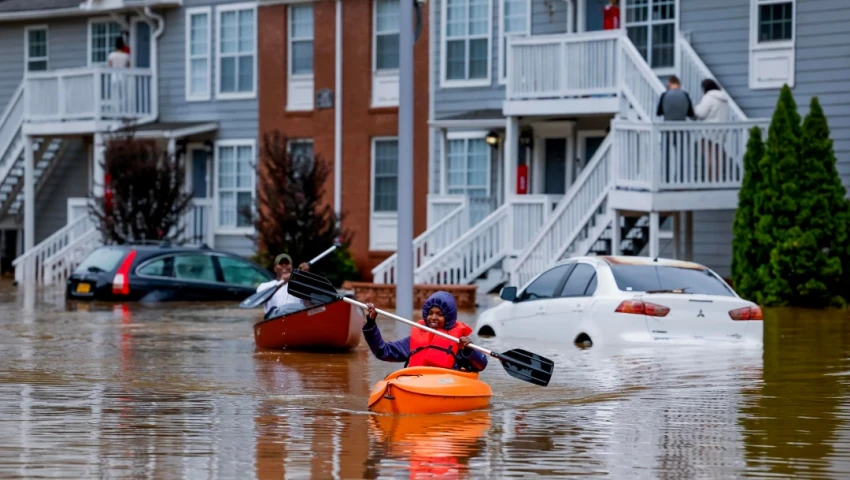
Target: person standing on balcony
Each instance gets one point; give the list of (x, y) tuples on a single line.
[(714, 107), (611, 16), (675, 106), (118, 58)]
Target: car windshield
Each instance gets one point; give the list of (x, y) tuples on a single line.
[(104, 259), (658, 278)]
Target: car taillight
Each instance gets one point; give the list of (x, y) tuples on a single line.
[(121, 281), (746, 313), (639, 307)]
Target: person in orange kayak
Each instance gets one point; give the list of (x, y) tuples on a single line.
[(424, 349)]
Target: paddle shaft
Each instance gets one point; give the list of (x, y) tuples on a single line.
[(417, 325), (310, 263)]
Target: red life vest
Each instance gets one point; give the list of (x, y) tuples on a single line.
[(429, 350)]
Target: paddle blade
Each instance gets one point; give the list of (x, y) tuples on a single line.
[(312, 287), (527, 366), (259, 298)]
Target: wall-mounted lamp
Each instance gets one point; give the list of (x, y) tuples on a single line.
[(526, 137), (492, 139), (181, 147), (208, 147)]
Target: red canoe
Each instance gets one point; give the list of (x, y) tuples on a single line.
[(334, 326)]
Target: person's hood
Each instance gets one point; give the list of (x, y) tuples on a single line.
[(446, 302), (718, 96)]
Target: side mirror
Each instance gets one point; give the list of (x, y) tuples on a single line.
[(508, 294)]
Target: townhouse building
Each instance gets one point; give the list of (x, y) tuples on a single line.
[(545, 139), (329, 81)]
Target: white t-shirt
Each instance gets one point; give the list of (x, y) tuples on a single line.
[(118, 59), (281, 297)]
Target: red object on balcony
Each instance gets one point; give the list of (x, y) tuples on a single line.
[(611, 17), (522, 180)]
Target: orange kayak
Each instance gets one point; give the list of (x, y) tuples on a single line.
[(427, 390)]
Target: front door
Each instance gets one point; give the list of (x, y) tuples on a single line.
[(200, 174), (555, 159), (141, 49), (594, 10), (202, 204), (589, 145)]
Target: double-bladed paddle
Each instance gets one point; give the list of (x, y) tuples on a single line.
[(260, 298), (521, 364)]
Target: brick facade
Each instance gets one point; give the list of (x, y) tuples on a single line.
[(360, 122)]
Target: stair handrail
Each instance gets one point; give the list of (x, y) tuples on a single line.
[(576, 189), (433, 230), (687, 50), (42, 246), (629, 53), (10, 122)]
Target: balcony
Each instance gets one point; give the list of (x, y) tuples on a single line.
[(76, 101)]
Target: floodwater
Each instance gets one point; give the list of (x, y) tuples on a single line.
[(179, 391)]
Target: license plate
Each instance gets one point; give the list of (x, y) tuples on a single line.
[(83, 288)]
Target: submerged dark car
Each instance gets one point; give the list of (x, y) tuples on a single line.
[(164, 273)]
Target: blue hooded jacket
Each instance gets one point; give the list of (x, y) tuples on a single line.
[(399, 350)]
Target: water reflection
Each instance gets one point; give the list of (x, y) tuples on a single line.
[(180, 391)]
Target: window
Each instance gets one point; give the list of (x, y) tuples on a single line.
[(301, 151), (772, 43), (238, 272), (104, 259), (237, 45), (545, 285), (468, 169), (236, 183), (466, 42), (643, 278), (301, 40), (102, 35), (514, 17), (385, 175), (386, 35), (36, 49), (578, 281), (198, 51), (651, 26), (156, 268), (194, 267)]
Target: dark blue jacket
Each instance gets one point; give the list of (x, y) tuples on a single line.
[(399, 350)]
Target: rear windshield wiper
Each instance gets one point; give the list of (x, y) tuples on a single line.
[(677, 290), (95, 269)]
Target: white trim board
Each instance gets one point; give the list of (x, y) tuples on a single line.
[(380, 222), (219, 10), (190, 12), (27, 58), (771, 64), (502, 55)]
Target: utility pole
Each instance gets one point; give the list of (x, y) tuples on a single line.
[(404, 252)]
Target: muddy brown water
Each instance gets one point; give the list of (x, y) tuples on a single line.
[(179, 391)]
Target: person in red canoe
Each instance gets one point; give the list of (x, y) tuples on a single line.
[(424, 349)]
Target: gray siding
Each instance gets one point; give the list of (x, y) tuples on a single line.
[(69, 179), (720, 35), (236, 244), (238, 119), (548, 17)]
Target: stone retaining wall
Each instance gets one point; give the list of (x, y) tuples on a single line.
[(383, 295)]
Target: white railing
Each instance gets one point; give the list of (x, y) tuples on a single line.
[(639, 83), (33, 266), (96, 93), (692, 71), (10, 128), (197, 223), (562, 66), (681, 155), (488, 242), (441, 205), (569, 218), (432, 241)]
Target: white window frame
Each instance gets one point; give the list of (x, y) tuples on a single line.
[(481, 82), (662, 71), (772, 52), (385, 82), (231, 230), (300, 88), (381, 222), (219, 10), (110, 46), (465, 135), (27, 58), (191, 12), (503, 37)]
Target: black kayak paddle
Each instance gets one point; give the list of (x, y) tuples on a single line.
[(518, 363)]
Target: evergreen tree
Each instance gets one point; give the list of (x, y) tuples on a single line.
[(292, 215), (786, 97), (747, 253)]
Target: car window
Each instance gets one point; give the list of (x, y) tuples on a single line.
[(591, 287), (194, 267), (238, 272), (578, 280), (155, 268), (643, 278), (545, 285), (104, 259)]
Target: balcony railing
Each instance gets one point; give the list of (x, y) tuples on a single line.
[(95, 93)]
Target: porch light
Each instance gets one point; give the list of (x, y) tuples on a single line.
[(492, 138), (525, 138)]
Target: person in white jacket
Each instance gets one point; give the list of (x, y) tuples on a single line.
[(714, 108)]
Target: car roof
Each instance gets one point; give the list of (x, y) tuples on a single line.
[(633, 260)]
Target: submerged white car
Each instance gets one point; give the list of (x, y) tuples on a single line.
[(610, 300)]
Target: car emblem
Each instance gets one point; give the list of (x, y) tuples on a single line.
[(700, 314)]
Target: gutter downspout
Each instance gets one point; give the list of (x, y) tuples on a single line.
[(160, 29), (338, 112), (433, 168)]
